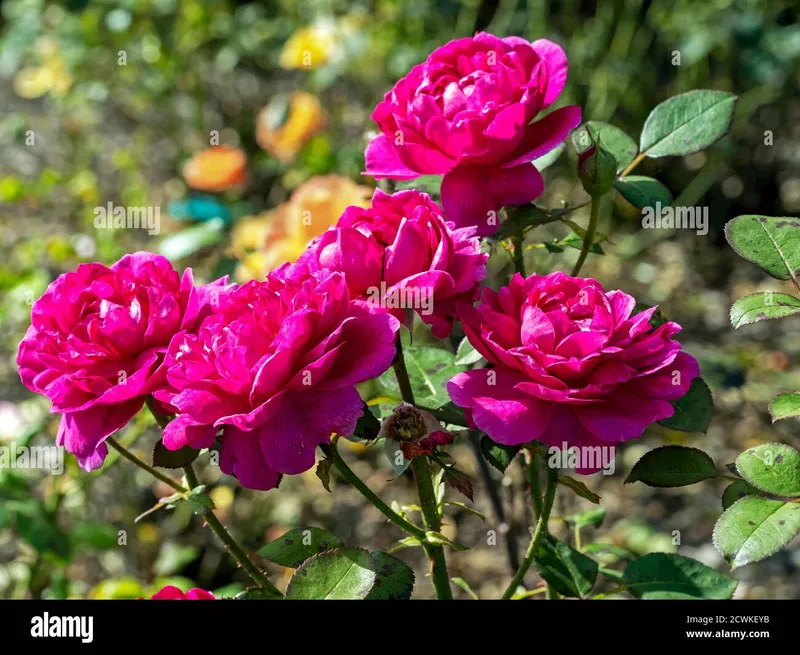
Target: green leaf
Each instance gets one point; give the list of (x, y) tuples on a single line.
[(94, 534), (773, 468), (198, 501), (687, 123), (394, 580), (755, 528), (664, 576), (368, 425), (565, 569), (465, 507), (430, 369), (397, 460), (296, 546), (521, 218), (460, 582), (612, 574), (579, 488), (614, 140), (342, 574), (498, 455), (692, 411), (737, 490), (430, 184), (593, 517), (576, 242), (438, 539), (785, 405), (762, 306), (173, 459), (466, 354), (193, 239), (771, 243), (643, 192), (548, 159), (323, 472), (257, 593), (406, 542), (448, 413), (672, 466), (609, 551)]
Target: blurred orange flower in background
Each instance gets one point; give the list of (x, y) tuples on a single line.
[(216, 169), (286, 124), (281, 234)]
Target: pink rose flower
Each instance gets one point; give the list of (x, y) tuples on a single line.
[(97, 342), (570, 364), (173, 593), (401, 254), (276, 369), (466, 113)]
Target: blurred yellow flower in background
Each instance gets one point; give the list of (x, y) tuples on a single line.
[(280, 235), (310, 47), (287, 123), (51, 77)]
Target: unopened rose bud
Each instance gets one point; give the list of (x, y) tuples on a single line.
[(597, 170)]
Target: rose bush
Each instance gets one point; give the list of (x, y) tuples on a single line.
[(465, 113), (402, 254), (572, 364), (97, 342), (275, 368)]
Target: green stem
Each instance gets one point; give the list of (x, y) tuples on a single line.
[(615, 590), (347, 473), (519, 260), (538, 533), (637, 160), (433, 522), (427, 496), (588, 238), (401, 373), (146, 467), (236, 551), (532, 471)]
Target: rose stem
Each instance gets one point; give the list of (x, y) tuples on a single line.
[(588, 238), (538, 533), (427, 497), (332, 453), (236, 551), (146, 467)]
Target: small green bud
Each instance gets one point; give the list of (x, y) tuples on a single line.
[(597, 170)]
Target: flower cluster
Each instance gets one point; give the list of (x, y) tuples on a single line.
[(268, 370)]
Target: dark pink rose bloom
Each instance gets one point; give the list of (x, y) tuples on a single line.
[(571, 364), (466, 113), (97, 342), (173, 593), (275, 368), (401, 254)]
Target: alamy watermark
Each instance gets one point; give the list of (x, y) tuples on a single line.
[(129, 218), (418, 298), (592, 458), (45, 458), (676, 218)]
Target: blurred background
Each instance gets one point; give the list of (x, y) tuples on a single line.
[(119, 101)]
